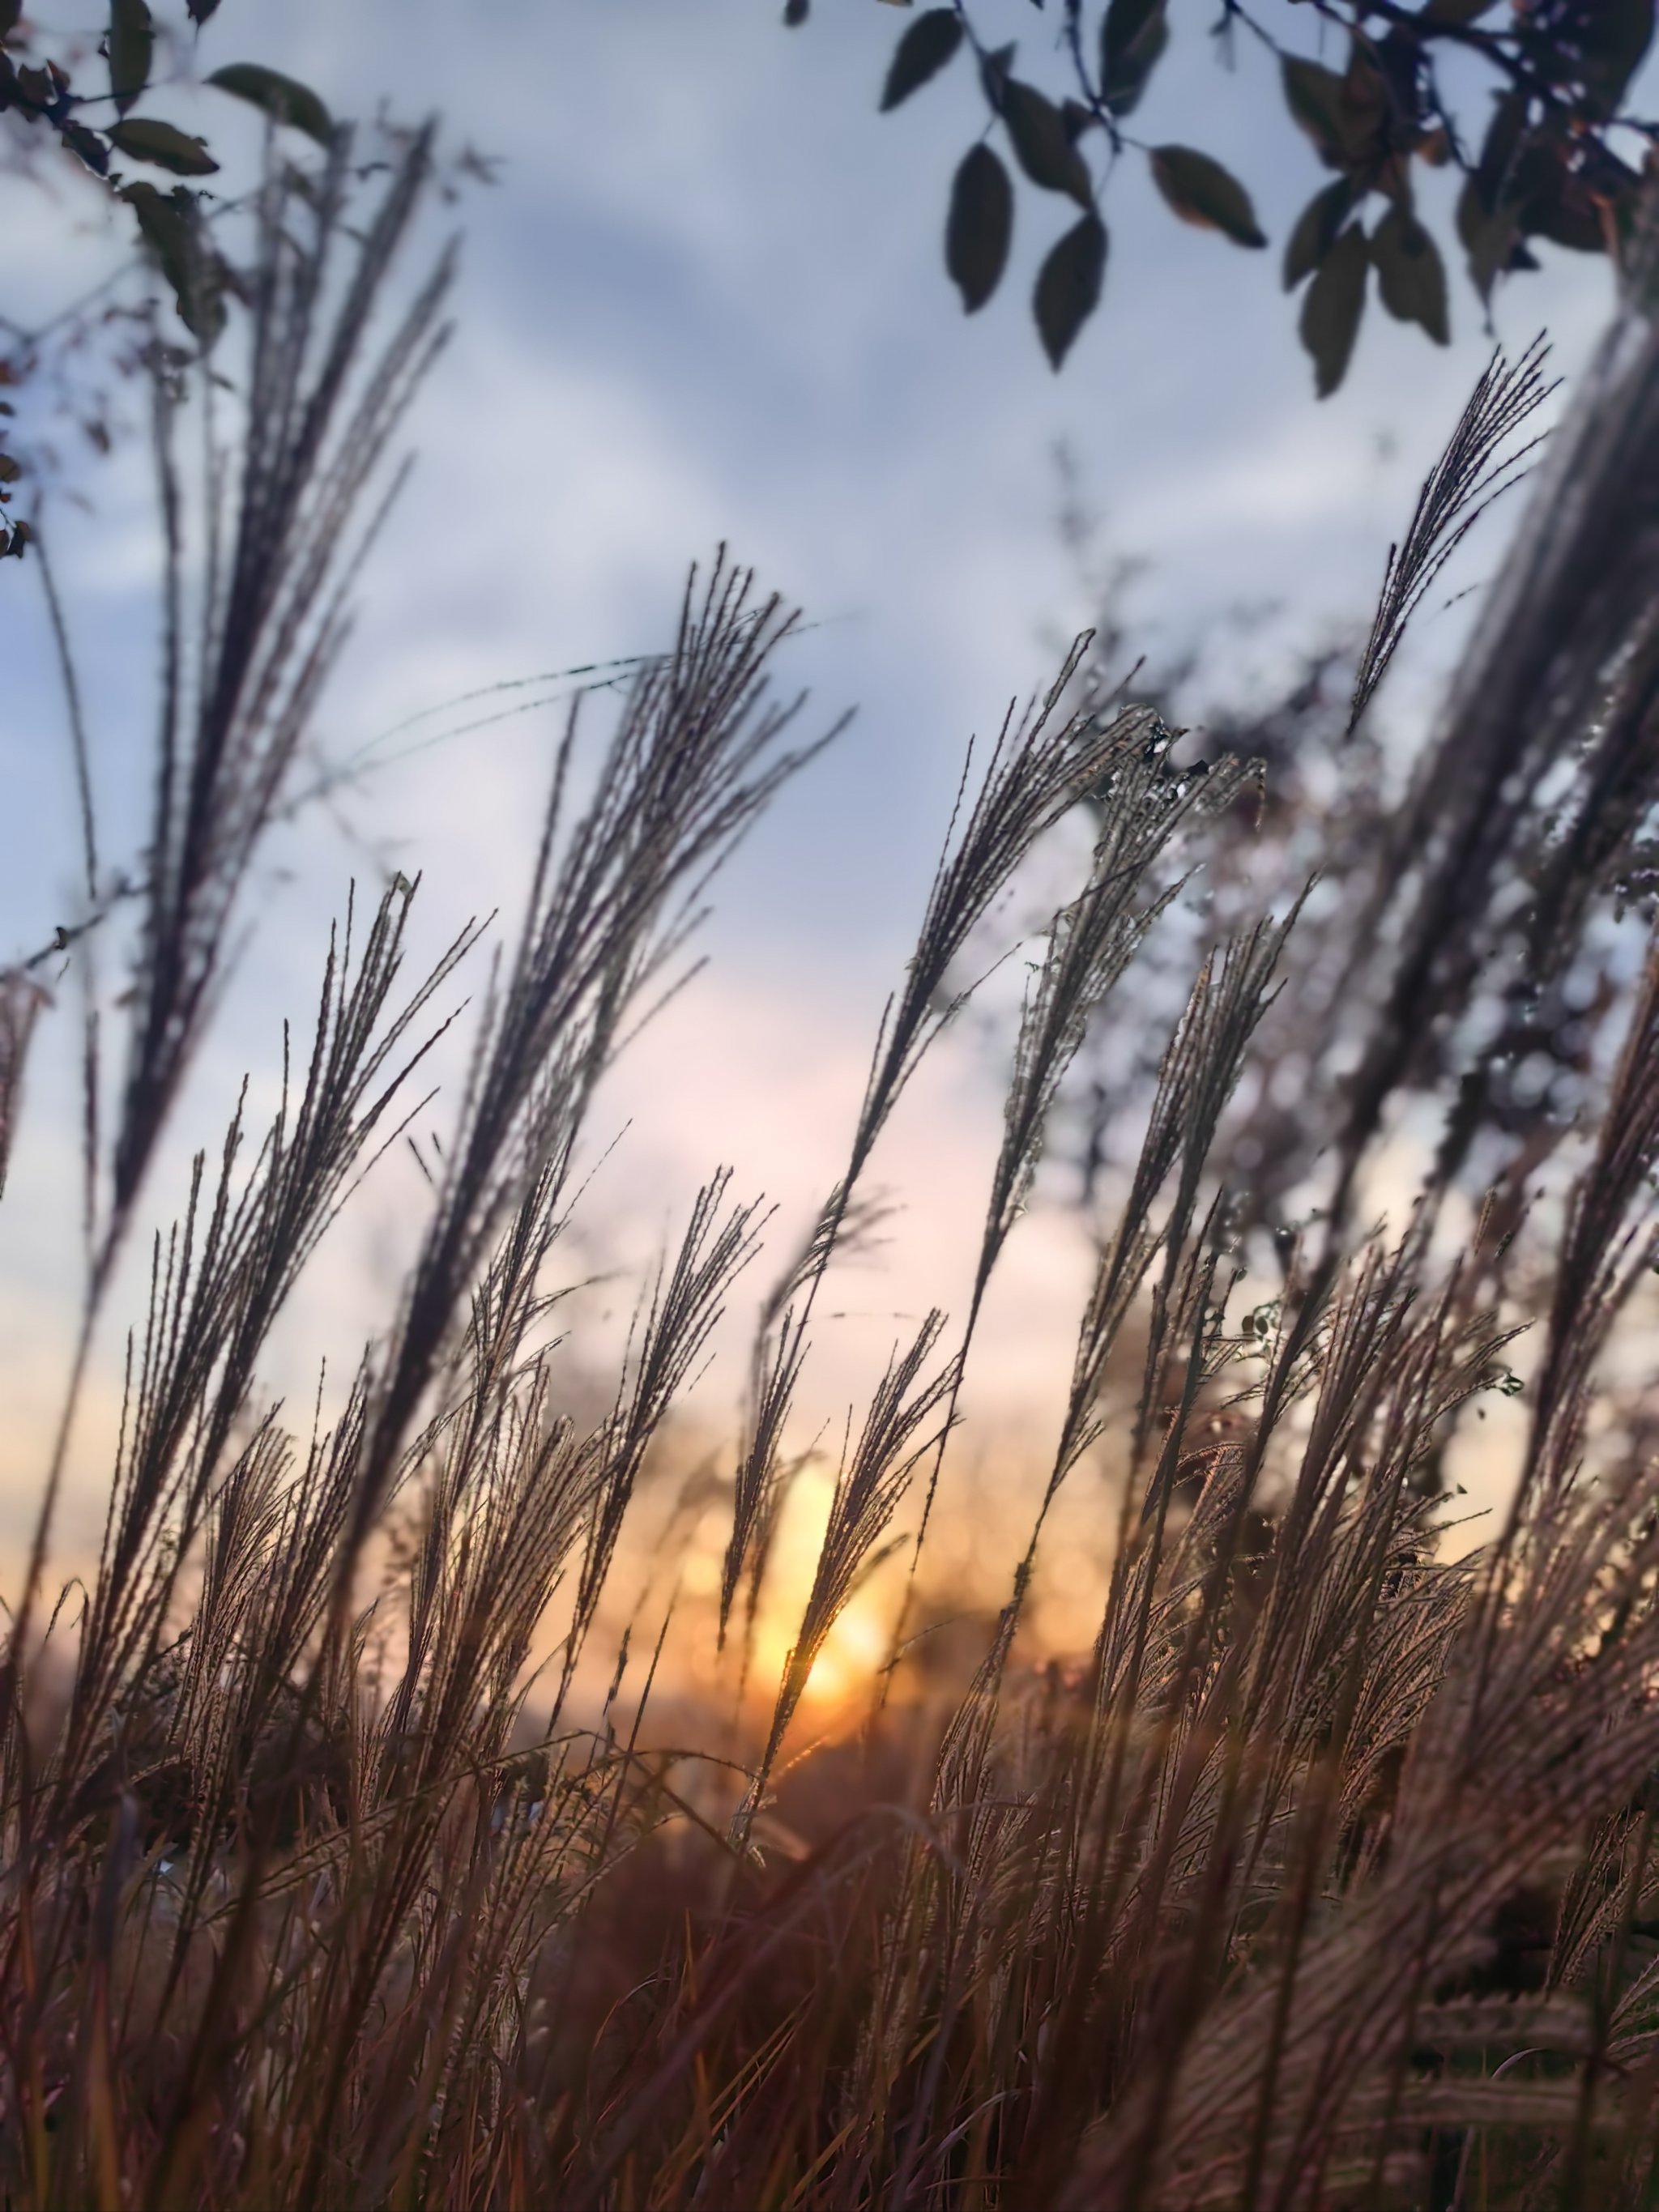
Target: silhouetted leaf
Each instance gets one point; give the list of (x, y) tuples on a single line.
[(1313, 95), (980, 225), (1456, 11), (141, 138), (201, 9), (1555, 202), (9, 12), (1367, 104), (36, 88), (1411, 276), (281, 98), (1500, 147), (1133, 34), (1489, 235), (87, 145), (131, 43), (1037, 130), (1332, 308), (1571, 220), (1202, 192), (171, 226), (927, 45), (1315, 230), (1068, 286), (1124, 24), (994, 69), (163, 219), (1616, 33), (795, 12)]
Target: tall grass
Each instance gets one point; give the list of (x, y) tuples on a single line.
[(1326, 1877)]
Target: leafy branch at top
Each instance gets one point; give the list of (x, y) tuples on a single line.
[(1556, 156), (100, 132)]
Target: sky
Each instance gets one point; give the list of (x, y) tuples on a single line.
[(704, 303)]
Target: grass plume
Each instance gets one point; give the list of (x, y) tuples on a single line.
[(1323, 1874)]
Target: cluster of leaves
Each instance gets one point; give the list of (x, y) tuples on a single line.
[(1545, 166), (102, 132), (42, 91)]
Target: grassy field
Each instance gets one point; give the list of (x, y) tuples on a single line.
[(1324, 1877)]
